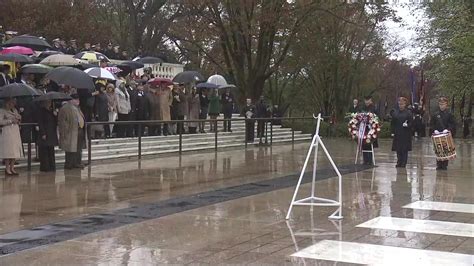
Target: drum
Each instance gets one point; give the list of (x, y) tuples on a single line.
[(443, 146)]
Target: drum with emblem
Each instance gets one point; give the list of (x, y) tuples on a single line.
[(443, 146)]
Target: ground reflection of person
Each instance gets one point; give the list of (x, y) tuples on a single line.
[(71, 124), (443, 121), (401, 131)]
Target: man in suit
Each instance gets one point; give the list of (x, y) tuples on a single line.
[(4, 75), (227, 102), (262, 112), (249, 113), (142, 108), (355, 106)]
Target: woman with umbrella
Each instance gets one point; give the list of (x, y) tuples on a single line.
[(10, 141)]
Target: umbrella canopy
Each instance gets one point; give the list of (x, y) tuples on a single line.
[(207, 85), (45, 54), (217, 79), (72, 77), (91, 56), (17, 50), (18, 58), (32, 42), (100, 73), (35, 69), (160, 81), (113, 69), (188, 77), (150, 60), (17, 90), (228, 86), (53, 96), (60, 60), (132, 65)]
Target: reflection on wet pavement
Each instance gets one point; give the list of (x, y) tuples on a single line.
[(247, 230)]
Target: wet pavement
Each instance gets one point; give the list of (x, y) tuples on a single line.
[(252, 228)]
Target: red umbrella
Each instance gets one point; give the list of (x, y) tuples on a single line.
[(17, 50), (160, 81)]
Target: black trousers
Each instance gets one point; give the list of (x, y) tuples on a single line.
[(180, 125), (154, 130), (74, 159), (227, 124), (47, 158), (202, 115), (402, 157), (121, 130), (250, 132), (260, 128), (442, 164)]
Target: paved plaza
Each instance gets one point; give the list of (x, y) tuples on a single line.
[(229, 207)]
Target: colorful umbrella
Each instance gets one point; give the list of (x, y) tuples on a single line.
[(72, 77), (35, 69), (19, 58), (91, 56), (218, 80), (17, 50), (32, 42), (60, 60), (100, 73), (160, 81)]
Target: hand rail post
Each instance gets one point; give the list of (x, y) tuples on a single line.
[(89, 144), (29, 149), (293, 131), (140, 141), (215, 134), (180, 141), (245, 133), (271, 132)]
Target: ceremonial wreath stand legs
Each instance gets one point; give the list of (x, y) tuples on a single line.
[(313, 200), (361, 150)]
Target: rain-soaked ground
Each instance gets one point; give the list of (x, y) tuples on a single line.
[(230, 207)]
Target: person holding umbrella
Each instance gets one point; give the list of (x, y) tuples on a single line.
[(71, 125), (47, 136), (214, 107), (193, 110), (204, 100), (10, 141), (227, 108)]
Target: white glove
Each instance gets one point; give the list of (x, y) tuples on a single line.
[(405, 124), (445, 131), (436, 132)]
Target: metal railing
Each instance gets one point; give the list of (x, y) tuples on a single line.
[(269, 122)]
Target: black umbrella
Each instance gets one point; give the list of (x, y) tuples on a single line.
[(17, 90), (45, 54), (150, 60), (131, 65), (32, 42), (188, 77), (206, 85), (35, 69), (72, 77), (19, 58), (54, 96)]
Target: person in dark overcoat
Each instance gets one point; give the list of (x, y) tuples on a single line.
[(142, 108), (47, 136), (262, 112), (204, 100), (183, 108), (102, 108), (442, 121), (249, 112), (401, 131), (194, 107), (227, 102), (174, 109), (368, 107)]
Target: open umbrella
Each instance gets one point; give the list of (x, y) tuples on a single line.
[(53, 96), (17, 50), (72, 77), (17, 90), (228, 86), (32, 42), (60, 60), (131, 65), (45, 54), (206, 85), (35, 69), (18, 58), (113, 69), (150, 60), (160, 81), (91, 56), (188, 77), (217, 79), (100, 73)]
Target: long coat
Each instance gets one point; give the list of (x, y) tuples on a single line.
[(47, 124), (155, 109), (10, 141), (442, 120), (68, 126), (214, 105), (165, 99), (183, 108), (194, 109), (402, 135), (102, 107)]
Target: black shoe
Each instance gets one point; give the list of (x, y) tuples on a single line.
[(79, 166)]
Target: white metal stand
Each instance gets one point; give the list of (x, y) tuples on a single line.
[(313, 200), (366, 151)]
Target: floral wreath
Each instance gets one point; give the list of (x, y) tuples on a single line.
[(364, 124)]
